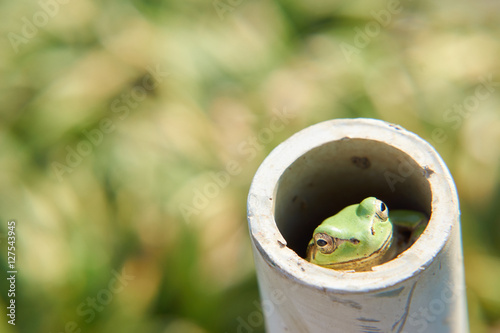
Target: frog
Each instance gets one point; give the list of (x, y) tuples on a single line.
[(364, 235)]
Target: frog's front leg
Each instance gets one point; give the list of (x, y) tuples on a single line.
[(412, 220)]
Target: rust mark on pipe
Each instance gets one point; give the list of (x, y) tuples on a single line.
[(390, 293), (396, 127), (346, 302), (367, 325), (402, 320), (428, 172), (361, 162), (368, 320), (370, 329)]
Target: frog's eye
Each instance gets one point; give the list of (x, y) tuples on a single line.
[(382, 211), (326, 244), (321, 242)]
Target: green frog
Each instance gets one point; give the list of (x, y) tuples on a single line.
[(363, 235)]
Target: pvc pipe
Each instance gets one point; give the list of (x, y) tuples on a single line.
[(313, 175)]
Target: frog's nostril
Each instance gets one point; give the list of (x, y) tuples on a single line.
[(354, 241)]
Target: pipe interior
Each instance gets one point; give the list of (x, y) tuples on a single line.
[(340, 173)]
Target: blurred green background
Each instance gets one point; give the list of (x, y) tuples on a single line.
[(120, 122)]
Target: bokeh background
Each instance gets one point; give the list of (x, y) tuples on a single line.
[(130, 131)]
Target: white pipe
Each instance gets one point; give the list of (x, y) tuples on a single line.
[(324, 168)]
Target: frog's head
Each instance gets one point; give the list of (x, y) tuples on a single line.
[(358, 235)]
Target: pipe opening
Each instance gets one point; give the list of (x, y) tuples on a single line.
[(340, 173)]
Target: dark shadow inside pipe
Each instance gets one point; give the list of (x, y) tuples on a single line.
[(340, 173)]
